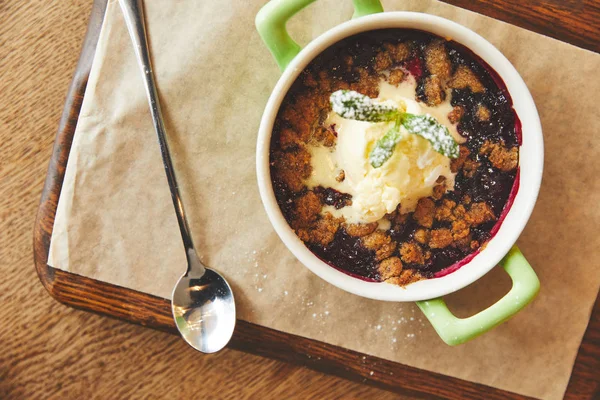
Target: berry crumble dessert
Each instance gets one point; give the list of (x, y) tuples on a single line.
[(394, 156)]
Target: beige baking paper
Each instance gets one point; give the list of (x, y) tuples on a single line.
[(115, 220)]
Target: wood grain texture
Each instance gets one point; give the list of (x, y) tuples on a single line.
[(572, 21), (567, 20)]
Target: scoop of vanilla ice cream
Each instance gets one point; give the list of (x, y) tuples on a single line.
[(409, 174)]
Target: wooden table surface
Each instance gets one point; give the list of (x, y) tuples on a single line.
[(48, 350), (51, 351)]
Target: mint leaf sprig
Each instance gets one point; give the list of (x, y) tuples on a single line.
[(384, 148), (353, 105), (437, 134)]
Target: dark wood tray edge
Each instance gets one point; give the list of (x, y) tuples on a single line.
[(140, 308)]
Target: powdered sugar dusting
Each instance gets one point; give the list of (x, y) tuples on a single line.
[(353, 105), (313, 307)]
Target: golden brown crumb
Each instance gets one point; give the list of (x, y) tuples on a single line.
[(411, 253), (464, 243), (501, 157), (296, 120), (383, 61), (457, 163), (288, 139), (390, 267), (324, 136), (483, 113), (396, 76), (434, 93), (299, 162), (459, 212), (385, 251), (375, 240), (444, 211), (304, 113), (340, 84), (367, 83), (460, 229), (440, 238), (400, 218), (474, 244), (487, 147), (292, 167), (359, 230), (381, 243), (398, 52), (470, 168), (323, 232), (465, 78), (307, 209), (422, 236), (437, 61), (467, 199), (323, 104), (406, 276), (341, 176), (424, 212), (456, 114), (479, 213), (303, 235), (438, 191), (308, 105)]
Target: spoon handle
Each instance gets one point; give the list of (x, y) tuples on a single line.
[(133, 11)]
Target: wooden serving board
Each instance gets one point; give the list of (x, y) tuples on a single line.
[(574, 21)]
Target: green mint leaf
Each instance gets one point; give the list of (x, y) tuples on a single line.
[(437, 134), (384, 148), (353, 105)]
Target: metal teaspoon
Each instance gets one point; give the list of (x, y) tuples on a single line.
[(203, 305)]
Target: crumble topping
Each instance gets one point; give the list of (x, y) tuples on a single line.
[(411, 253), (395, 77), (456, 114), (443, 226), (465, 78), (379, 242), (424, 212), (359, 230), (438, 62), (500, 156), (390, 267)]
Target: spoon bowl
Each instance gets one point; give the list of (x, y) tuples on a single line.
[(204, 310)]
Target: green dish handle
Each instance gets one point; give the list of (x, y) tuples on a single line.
[(455, 330), (271, 20)]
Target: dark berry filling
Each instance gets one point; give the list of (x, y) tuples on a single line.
[(345, 64)]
